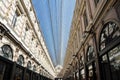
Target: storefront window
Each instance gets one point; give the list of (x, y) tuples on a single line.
[(114, 58), (18, 74), (110, 61), (2, 70)]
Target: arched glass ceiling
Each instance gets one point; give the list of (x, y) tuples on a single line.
[(55, 17)]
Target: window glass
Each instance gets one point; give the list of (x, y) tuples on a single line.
[(18, 74), (81, 61), (34, 68), (7, 51), (114, 57), (90, 54), (109, 33), (29, 65), (20, 60), (111, 64)]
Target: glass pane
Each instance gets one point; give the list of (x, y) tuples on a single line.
[(109, 33), (27, 76), (34, 68), (2, 70), (91, 71), (114, 57), (20, 60), (7, 51), (105, 68), (29, 65), (18, 74), (90, 54)]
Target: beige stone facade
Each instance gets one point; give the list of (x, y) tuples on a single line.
[(20, 32)]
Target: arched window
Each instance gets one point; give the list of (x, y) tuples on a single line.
[(110, 32), (34, 68), (29, 65), (7, 51), (81, 60), (110, 60), (90, 53), (20, 60)]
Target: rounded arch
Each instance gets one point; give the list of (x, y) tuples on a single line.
[(29, 65), (109, 33), (90, 53), (34, 67), (20, 60), (7, 51)]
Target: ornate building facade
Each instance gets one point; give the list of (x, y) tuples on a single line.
[(93, 51), (21, 40)]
